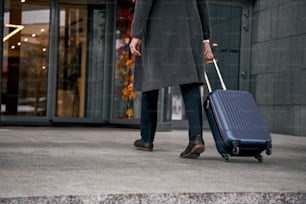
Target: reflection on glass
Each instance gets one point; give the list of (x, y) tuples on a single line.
[(25, 58), (71, 61), (126, 102), (81, 51)]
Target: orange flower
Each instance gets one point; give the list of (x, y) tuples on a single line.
[(130, 64), (125, 55), (125, 93), (128, 93), (130, 87), (125, 76), (129, 113)]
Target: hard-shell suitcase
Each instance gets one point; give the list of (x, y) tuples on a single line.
[(236, 123)]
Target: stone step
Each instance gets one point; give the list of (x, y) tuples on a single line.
[(168, 198)]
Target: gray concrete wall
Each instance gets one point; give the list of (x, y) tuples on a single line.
[(278, 65)]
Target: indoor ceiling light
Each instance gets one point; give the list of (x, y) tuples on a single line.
[(18, 28)]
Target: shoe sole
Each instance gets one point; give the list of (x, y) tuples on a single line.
[(145, 149), (195, 152)]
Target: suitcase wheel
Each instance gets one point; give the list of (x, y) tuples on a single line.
[(269, 148), (235, 150), (259, 157), (268, 151), (225, 157)]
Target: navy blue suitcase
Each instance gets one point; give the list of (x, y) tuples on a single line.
[(236, 123)]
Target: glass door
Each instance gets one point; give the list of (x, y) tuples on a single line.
[(25, 58), (72, 58), (80, 68), (226, 44)]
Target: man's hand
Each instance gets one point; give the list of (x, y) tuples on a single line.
[(208, 55), (135, 46)]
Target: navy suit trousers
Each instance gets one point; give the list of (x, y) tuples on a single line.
[(193, 110)]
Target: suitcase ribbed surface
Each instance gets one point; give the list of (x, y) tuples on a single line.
[(236, 110)]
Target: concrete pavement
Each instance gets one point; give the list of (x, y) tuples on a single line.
[(100, 165)]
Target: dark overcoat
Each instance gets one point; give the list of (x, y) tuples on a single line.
[(172, 33)]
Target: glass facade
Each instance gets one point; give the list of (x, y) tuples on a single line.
[(69, 61), (25, 58), (77, 79)]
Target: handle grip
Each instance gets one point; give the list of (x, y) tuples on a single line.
[(219, 75)]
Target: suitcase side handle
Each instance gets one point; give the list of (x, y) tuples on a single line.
[(219, 75)]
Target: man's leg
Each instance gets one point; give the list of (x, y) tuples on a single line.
[(193, 109), (148, 120)]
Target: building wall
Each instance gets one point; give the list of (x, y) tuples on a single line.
[(278, 65)]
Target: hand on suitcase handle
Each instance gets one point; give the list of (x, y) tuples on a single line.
[(219, 75)]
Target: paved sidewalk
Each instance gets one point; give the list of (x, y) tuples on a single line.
[(96, 164)]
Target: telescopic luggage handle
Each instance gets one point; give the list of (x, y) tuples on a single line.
[(219, 75)]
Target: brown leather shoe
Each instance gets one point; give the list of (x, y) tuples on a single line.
[(194, 148), (143, 146)]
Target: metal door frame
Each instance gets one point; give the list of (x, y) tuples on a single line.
[(1, 49)]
